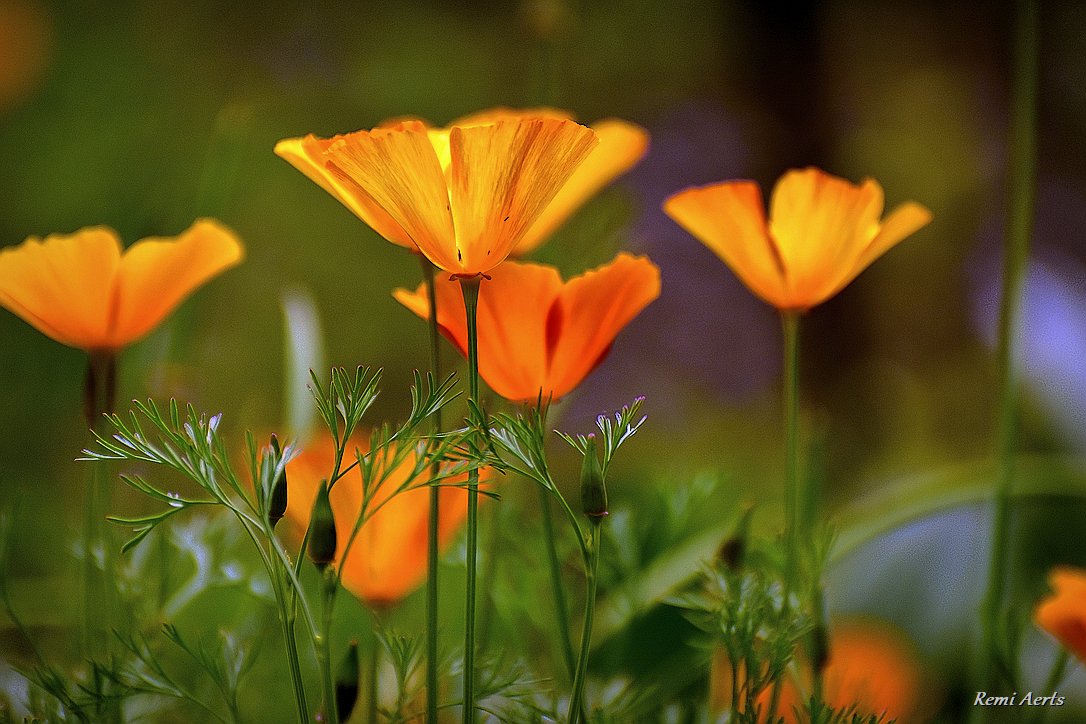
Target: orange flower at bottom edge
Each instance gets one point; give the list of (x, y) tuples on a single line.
[(821, 233), (388, 558), (1063, 613), (538, 334), (82, 290), (871, 666)]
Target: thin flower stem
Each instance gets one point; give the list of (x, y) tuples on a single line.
[(1055, 676), (470, 289), (329, 586), (98, 587), (371, 703), (287, 617), (576, 702), (432, 551), (1022, 174), (561, 609), (793, 496)]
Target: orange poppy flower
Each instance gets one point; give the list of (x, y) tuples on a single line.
[(621, 146), (84, 291), (538, 334), (388, 558), (1063, 613), (821, 233), (464, 195), (871, 666)]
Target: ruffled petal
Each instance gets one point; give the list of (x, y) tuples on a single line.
[(308, 156), (62, 285), (157, 274), (594, 307), (821, 224), (502, 177), (621, 146), (399, 170), (729, 218)]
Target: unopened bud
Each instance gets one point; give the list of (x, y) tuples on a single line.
[(347, 682), (593, 490), (277, 506), (322, 530)]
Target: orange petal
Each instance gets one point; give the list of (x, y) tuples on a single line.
[(592, 309), (156, 275), (493, 115), (62, 285), (398, 169), (621, 146), (502, 177), (729, 218), (902, 221), (307, 155), (450, 308), (821, 224)]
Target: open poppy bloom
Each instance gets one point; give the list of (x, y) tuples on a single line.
[(821, 233), (621, 146), (1063, 613), (464, 195), (538, 334), (388, 558), (84, 291), (871, 666)]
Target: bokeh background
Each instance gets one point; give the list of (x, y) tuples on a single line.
[(145, 115)]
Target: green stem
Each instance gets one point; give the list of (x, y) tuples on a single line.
[(576, 703), (287, 618), (329, 585), (1022, 172), (793, 496), (432, 550), (98, 584), (561, 610), (1055, 676), (371, 684), (470, 289)]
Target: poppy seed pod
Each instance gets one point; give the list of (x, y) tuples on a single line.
[(593, 489), (322, 530), (278, 504), (347, 682)]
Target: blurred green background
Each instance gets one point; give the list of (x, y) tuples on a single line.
[(145, 115)]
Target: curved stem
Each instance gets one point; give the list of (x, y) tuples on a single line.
[(1022, 171), (432, 550), (576, 702), (470, 289)]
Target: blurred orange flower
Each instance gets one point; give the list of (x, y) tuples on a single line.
[(871, 665), (464, 195), (388, 558), (84, 291), (538, 334), (1063, 613), (821, 233)]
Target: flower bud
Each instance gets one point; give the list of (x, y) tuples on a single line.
[(347, 682), (278, 504), (322, 530), (593, 490)]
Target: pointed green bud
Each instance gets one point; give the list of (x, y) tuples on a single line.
[(593, 490), (322, 530), (278, 505), (347, 682)]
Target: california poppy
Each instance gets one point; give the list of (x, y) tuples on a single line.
[(388, 558), (1063, 613), (539, 335), (84, 291), (821, 233), (464, 195), (871, 666), (621, 145)]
